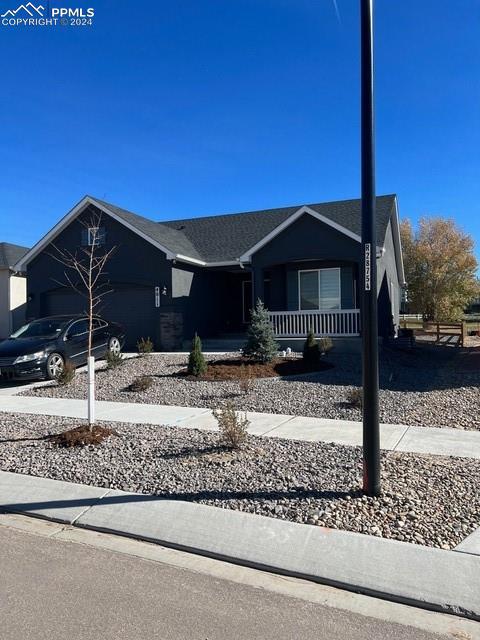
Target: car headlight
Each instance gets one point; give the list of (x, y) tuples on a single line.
[(29, 357)]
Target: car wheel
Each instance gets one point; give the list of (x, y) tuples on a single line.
[(114, 346), (55, 365)]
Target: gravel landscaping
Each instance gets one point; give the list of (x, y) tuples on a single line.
[(427, 500), (424, 388)]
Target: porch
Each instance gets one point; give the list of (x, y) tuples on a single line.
[(318, 295), (334, 323)]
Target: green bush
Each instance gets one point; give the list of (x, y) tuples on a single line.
[(311, 351), (113, 360), (67, 374), (261, 344), (144, 347), (196, 360), (314, 349), (142, 383)]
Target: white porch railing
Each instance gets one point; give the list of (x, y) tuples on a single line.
[(296, 324)]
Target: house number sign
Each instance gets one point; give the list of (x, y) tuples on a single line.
[(157, 296), (368, 266)]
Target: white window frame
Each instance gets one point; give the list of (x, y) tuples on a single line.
[(90, 236), (338, 269)]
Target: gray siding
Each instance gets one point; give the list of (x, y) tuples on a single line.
[(307, 239), (135, 265), (388, 286), (200, 295), (347, 287)]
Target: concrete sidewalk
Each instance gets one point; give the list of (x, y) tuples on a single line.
[(445, 442), (446, 581)]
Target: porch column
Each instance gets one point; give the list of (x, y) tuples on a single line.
[(257, 284)]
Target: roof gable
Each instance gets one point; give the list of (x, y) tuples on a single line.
[(290, 220), (139, 225), (10, 254)]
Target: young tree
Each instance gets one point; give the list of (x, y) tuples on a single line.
[(311, 350), (85, 274), (196, 360), (440, 268), (261, 344)]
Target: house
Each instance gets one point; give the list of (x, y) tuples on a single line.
[(173, 278), (13, 289)]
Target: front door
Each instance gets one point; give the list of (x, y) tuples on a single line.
[(246, 300)]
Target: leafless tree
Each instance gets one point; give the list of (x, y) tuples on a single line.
[(85, 269), (85, 273)]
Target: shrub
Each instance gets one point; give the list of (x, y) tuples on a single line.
[(142, 383), (113, 360), (355, 398), (196, 360), (245, 381), (67, 374), (261, 344), (311, 351), (233, 428), (325, 343), (144, 347)]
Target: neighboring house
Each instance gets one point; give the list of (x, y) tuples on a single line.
[(173, 278), (13, 289)]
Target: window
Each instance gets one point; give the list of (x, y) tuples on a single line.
[(98, 324), (309, 290), (78, 328), (93, 236), (319, 289)]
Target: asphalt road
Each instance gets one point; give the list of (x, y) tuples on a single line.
[(52, 589)]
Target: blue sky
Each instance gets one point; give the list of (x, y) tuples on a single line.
[(195, 107)]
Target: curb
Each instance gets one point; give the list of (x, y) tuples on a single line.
[(445, 581)]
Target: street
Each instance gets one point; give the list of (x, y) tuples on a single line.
[(52, 588)]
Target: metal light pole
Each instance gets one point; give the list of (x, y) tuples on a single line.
[(371, 428)]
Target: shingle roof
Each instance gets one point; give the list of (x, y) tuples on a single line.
[(226, 237), (171, 239), (10, 254)]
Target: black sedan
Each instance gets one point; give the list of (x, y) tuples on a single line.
[(40, 348)]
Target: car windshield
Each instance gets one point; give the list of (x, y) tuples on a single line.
[(40, 329)]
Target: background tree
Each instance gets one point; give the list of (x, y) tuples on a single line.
[(440, 268), (85, 274)]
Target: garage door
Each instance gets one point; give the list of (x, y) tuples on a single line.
[(132, 307)]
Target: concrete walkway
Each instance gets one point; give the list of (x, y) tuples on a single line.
[(446, 442), (446, 581)]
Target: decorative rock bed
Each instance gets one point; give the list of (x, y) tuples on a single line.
[(415, 389), (427, 500)]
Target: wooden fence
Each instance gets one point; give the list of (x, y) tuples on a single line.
[(445, 333)]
